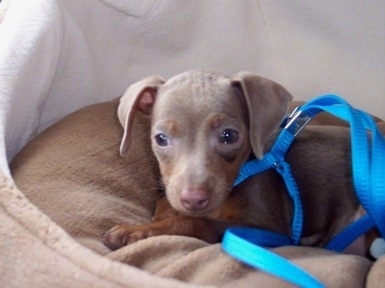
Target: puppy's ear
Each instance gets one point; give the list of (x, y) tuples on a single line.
[(139, 96), (267, 103)]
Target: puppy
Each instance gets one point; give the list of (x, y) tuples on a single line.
[(204, 126)]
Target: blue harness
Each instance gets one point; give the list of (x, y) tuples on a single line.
[(368, 170)]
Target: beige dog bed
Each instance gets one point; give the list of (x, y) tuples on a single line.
[(69, 184), (73, 173)]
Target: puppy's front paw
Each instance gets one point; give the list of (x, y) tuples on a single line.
[(121, 235)]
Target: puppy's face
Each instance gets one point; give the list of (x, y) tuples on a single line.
[(200, 138), (204, 126)]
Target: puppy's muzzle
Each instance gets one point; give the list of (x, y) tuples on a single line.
[(194, 200)]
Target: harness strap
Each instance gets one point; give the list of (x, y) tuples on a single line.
[(243, 244), (343, 239), (276, 159), (368, 157), (368, 178)]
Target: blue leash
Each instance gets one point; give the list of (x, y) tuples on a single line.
[(245, 244)]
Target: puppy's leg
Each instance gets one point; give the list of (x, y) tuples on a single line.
[(209, 230), (166, 221), (163, 210)]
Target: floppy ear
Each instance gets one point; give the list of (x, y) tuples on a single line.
[(267, 104), (139, 96)]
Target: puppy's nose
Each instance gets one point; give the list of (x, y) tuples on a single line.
[(194, 199)]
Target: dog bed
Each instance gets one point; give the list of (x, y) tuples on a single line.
[(69, 184)]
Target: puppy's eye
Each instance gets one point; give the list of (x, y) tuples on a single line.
[(162, 140), (228, 136)]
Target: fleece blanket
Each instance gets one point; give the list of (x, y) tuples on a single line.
[(69, 185), (73, 173)]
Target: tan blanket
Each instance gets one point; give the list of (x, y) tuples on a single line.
[(72, 185)]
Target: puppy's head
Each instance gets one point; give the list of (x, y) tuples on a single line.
[(204, 126)]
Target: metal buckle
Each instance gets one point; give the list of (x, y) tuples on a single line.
[(296, 121)]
